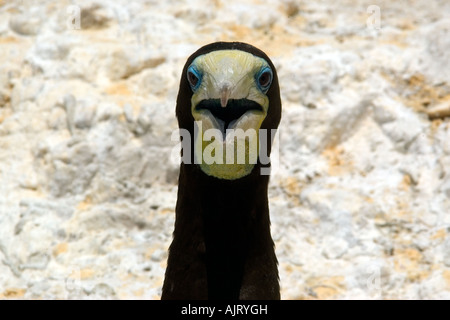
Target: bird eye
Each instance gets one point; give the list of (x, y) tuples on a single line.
[(194, 78), (264, 79)]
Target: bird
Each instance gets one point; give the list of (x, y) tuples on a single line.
[(222, 248)]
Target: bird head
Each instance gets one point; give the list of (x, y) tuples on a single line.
[(228, 93)]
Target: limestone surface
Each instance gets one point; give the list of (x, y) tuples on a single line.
[(89, 150)]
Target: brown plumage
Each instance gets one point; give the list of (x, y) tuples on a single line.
[(222, 247)]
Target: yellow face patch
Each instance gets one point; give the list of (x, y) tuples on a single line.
[(229, 105), (233, 67)]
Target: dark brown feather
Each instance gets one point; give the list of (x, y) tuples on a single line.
[(222, 246)]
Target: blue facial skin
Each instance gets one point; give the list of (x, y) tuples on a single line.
[(194, 77), (264, 79)]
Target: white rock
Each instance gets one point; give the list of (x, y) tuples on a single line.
[(439, 111), (120, 63), (437, 52), (360, 200), (28, 22), (84, 114), (333, 247), (446, 251)]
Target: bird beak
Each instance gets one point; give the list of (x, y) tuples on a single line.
[(225, 93)]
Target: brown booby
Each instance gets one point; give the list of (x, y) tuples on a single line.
[(228, 106)]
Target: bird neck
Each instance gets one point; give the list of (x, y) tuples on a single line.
[(234, 219)]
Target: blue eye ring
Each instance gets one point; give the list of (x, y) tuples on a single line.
[(264, 79), (194, 77)]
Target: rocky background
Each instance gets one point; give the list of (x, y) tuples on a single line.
[(360, 194)]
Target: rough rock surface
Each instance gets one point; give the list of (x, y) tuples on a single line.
[(360, 195)]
